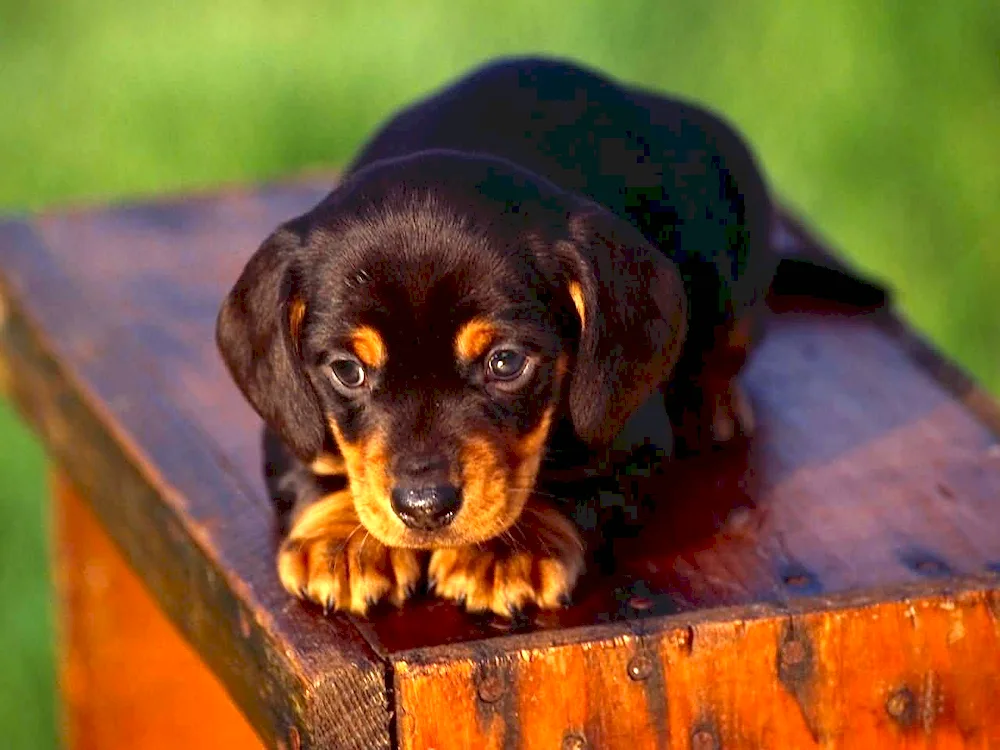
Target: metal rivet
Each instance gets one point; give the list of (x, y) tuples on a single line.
[(574, 742), (640, 667), (793, 653), (703, 739), (490, 689), (902, 706), (640, 602)]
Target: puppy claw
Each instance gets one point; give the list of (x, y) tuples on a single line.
[(723, 427), (732, 412), (743, 409)]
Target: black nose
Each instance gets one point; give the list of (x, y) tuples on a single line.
[(426, 508)]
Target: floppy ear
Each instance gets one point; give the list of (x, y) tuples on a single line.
[(254, 333), (633, 317)]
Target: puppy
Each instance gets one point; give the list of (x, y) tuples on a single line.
[(506, 273)]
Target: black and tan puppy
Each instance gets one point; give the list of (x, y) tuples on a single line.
[(505, 274)]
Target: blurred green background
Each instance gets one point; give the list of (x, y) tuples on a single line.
[(879, 122)]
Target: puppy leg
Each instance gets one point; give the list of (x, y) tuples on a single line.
[(706, 403), (331, 559), (537, 561)]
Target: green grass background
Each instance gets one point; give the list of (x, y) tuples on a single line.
[(879, 122)]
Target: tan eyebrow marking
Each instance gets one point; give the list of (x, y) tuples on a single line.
[(473, 338), (369, 346), (576, 294)]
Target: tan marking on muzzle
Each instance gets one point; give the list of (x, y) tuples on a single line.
[(367, 465), (495, 488)]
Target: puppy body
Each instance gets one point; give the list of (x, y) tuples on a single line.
[(505, 275)]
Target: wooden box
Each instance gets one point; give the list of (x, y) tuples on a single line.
[(832, 584)]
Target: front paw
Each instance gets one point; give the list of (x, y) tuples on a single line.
[(536, 562), (329, 558)]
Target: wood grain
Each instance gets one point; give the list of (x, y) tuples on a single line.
[(127, 677), (875, 469), (909, 673)]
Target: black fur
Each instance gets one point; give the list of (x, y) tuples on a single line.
[(489, 198)]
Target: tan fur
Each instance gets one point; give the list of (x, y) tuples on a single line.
[(328, 465), (740, 335), (474, 338), (330, 558), (369, 346), (296, 313), (731, 409), (562, 367), (368, 472), (576, 294), (536, 562), (496, 487)]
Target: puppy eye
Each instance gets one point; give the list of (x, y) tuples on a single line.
[(506, 364), (348, 372)]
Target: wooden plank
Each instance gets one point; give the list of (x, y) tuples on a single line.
[(127, 677), (909, 673)]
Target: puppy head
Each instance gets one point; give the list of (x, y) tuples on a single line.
[(432, 319)]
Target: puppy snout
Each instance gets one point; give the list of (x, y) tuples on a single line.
[(426, 508), (421, 465)]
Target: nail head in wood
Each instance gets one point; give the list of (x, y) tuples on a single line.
[(704, 739), (640, 603), (793, 653), (902, 706), (490, 689), (640, 667)]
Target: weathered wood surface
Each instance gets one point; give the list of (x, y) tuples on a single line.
[(878, 674), (127, 678), (876, 466)]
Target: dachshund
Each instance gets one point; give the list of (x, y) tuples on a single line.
[(508, 272)]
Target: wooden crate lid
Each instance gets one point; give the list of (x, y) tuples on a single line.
[(872, 482)]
